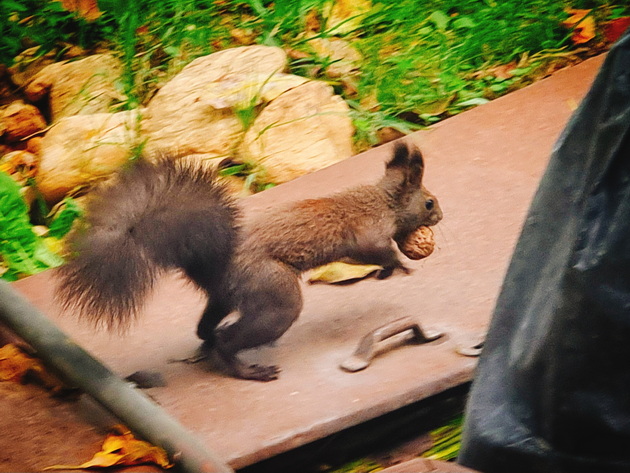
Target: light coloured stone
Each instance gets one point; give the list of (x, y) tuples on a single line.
[(82, 149), (241, 91), (303, 130), (83, 87), (194, 112), (28, 64)]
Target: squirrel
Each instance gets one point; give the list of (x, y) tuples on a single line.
[(172, 214)]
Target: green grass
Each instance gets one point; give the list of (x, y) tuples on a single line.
[(422, 61)]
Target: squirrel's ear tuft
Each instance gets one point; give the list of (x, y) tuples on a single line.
[(407, 159), (416, 165), (400, 159)]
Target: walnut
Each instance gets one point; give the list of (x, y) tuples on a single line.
[(419, 244)]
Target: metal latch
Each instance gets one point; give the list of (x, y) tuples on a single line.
[(387, 337)]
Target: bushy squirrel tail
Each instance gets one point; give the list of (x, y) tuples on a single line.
[(167, 214)]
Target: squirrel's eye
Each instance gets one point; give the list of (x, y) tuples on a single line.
[(429, 204)]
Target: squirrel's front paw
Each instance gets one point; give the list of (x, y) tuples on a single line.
[(387, 272)]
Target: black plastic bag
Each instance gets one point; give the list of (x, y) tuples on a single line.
[(552, 389)]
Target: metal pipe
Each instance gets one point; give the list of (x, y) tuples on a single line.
[(118, 397)]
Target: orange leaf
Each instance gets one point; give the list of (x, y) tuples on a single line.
[(16, 365), (582, 23), (88, 9), (122, 448), (345, 16)]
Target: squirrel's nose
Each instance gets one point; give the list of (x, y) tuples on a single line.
[(437, 215)]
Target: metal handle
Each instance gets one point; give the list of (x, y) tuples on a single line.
[(387, 337)]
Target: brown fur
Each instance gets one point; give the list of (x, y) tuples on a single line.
[(261, 280)]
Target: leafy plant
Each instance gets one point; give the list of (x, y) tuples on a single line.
[(255, 176), (421, 61), (65, 217), (22, 251), (420, 66), (27, 23), (446, 441)]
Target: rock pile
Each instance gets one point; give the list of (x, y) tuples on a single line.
[(237, 103)]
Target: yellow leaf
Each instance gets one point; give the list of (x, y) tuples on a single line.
[(122, 448), (16, 365), (582, 23), (345, 16), (88, 9), (340, 272)]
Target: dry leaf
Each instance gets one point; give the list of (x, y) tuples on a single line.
[(243, 36), (582, 23), (614, 29), (345, 16), (342, 272), (16, 365), (88, 9), (296, 54), (344, 58), (504, 71), (311, 21), (122, 448)]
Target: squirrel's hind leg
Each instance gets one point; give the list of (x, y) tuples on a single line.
[(216, 310), (270, 302)]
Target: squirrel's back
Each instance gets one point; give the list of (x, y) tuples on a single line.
[(314, 232), (156, 215)]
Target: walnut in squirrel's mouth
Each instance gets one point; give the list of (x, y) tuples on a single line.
[(419, 244)]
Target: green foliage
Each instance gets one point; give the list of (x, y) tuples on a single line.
[(255, 176), (22, 252), (64, 218), (359, 466), (26, 23), (422, 61), (368, 123), (447, 441), (419, 56)]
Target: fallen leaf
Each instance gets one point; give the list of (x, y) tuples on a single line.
[(342, 272), (615, 28), (345, 16), (344, 57), (504, 71), (16, 365), (437, 107), (311, 21), (582, 23), (242, 36), (88, 9), (122, 448), (575, 16), (296, 54)]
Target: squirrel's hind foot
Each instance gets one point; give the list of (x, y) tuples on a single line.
[(254, 372), (257, 372)]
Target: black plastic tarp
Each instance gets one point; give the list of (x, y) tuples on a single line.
[(552, 388)]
